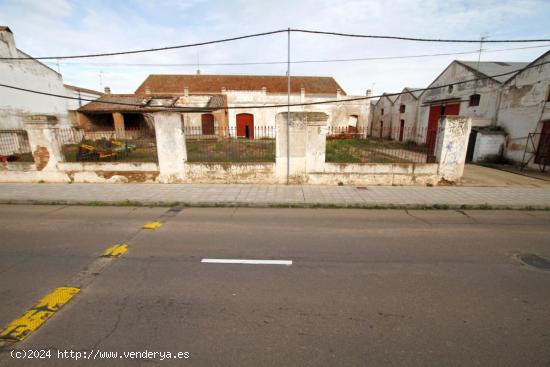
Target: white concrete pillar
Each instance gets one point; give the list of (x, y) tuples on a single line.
[(171, 150), (41, 130), (307, 145), (451, 146)]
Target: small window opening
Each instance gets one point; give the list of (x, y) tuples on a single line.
[(402, 108), (474, 100), (382, 112)]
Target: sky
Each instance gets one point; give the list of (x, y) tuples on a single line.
[(63, 27)]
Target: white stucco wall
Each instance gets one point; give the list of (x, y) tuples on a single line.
[(339, 113), (456, 72), (386, 104), (409, 116), (489, 147), (521, 107), (30, 74), (75, 104)]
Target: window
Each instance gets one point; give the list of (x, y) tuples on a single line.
[(402, 108), (450, 89), (382, 112), (474, 100)]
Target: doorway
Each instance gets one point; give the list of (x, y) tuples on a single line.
[(207, 123), (245, 125), (543, 148), (436, 112)]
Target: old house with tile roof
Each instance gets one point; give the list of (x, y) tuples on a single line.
[(244, 92)]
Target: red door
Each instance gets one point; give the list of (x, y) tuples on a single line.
[(207, 122), (451, 109), (543, 149), (245, 125), (435, 114)]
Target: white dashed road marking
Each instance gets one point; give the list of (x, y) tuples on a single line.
[(248, 262)]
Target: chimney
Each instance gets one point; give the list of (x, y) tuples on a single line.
[(147, 90), (369, 92), (7, 36), (302, 94), (338, 93), (264, 90), (198, 71), (224, 90), (107, 90), (186, 91)]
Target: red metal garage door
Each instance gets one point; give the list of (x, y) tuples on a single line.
[(436, 112), (245, 125)]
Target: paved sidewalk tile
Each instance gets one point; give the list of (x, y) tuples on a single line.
[(259, 195)]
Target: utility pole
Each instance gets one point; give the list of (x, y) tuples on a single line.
[(483, 38), (288, 111)]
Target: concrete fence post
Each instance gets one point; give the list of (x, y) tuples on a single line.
[(41, 130), (307, 145), (451, 146), (171, 150)]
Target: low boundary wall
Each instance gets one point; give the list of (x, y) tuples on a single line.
[(304, 162)]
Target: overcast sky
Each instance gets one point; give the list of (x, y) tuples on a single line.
[(62, 27)]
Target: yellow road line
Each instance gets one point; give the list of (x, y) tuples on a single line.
[(34, 318), (116, 250), (153, 225)]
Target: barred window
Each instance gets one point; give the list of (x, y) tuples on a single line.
[(474, 100)]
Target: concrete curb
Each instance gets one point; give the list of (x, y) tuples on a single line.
[(227, 204)]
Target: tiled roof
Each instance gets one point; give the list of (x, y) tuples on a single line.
[(217, 101), (414, 91), (142, 103), (490, 68), (214, 83)]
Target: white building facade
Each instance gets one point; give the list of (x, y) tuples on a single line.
[(16, 105), (525, 109)]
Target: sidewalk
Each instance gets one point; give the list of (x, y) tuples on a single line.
[(276, 195)]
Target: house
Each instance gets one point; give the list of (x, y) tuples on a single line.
[(122, 112), (242, 92), (405, 113), (476, 99), (524, 113), (16, 105), (382, 116)]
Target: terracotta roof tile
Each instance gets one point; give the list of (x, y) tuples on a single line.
[(141, 103), (157, 83)]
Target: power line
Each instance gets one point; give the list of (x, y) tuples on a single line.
[(416, 39), (194, 109), (147, 49), (299, 61), (270, 33)]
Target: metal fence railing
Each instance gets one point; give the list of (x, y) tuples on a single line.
[(14, 146), (230, 144), (128, 145), (382, 145)]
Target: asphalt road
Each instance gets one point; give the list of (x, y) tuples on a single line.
[(366, 287)]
